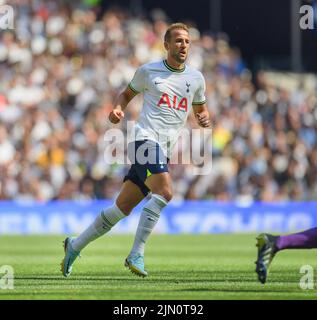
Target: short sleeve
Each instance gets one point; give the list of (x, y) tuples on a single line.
[(199, 97), (137, 83)]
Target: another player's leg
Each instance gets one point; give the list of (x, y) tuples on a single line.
[(301, 240), (130, 195), (269, 245), (160, 185)]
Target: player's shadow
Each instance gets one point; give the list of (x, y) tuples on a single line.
[(81, 278), (176, 277), (246, 290), (168, 277)]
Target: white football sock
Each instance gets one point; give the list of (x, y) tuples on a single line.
[(148, 219), (102, 224)]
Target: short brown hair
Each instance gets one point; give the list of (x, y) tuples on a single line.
[(178, 25)]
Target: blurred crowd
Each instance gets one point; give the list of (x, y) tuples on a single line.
[(60, 71)]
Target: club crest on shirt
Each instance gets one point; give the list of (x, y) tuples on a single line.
[(187, 85)]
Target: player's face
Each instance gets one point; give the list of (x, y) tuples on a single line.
[(178, 45)]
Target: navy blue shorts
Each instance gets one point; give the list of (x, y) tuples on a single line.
[(147, 158)]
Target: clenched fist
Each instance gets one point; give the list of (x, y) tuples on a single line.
[(115, 116), (203, 120)]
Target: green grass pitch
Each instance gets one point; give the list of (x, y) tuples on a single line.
[(181, 267)]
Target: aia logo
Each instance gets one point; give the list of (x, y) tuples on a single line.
[(174, 104)]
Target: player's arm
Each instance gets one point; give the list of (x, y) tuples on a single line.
[(199, 105), (202, 115), (120, 104)]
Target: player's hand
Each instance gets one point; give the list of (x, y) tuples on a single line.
[(203, 120), (115, 116)]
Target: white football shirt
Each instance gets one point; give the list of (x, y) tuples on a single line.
[(168, 98)]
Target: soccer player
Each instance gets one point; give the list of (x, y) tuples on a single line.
[(170, 89), (268, 245)]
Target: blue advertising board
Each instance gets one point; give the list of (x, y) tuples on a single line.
[(72, 217)]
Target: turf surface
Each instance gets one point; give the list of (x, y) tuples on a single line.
[(180, 267)]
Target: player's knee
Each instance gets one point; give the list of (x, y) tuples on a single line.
[(167, 194), (125, 207)]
